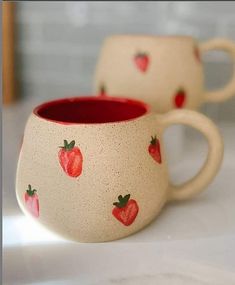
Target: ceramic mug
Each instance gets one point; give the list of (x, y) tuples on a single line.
[(164, 71), (93, 169)]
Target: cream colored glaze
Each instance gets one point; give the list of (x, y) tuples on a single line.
[(172, 65), (116, 162)]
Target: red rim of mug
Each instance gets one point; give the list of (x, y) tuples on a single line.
[(86, 98)]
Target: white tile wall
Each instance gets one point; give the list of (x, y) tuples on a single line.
[(58, 42)]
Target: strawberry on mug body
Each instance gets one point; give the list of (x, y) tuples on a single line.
[(103, 92), (32, 201), (125, 210), (70, 158), (142, 61), (180, 98), (154, 149)]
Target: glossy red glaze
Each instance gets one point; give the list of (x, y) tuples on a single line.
[(91, 110)]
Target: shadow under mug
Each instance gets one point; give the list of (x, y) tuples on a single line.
[(164, 71), (94, 169)]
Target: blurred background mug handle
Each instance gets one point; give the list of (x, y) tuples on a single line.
[(214, 157), (228, 90)]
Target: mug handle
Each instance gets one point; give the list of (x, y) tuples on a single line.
[(229, 89), (215, 151)]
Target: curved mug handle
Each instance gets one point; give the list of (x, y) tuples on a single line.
[(215, 151), (229, 89)]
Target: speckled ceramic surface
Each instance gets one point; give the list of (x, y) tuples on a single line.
[(92, 174), (165, 71)]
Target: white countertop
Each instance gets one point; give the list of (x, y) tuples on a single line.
[(189, 243)]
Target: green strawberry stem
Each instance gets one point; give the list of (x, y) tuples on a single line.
[(68, 146), (180, 90), (122, 201), (141, 54), (31, 191), (102, 88), (153, 140)]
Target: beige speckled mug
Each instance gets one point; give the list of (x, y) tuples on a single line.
[(93, 169), (164, 71)]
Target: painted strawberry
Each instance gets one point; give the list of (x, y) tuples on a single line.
[(125, 210), (154, 149), (102, 92), (180, 98), (71, 159), (31, 201), (197, 53), (141, 61)]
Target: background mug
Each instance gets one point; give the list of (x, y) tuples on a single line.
[(164, 71), (94, 169)]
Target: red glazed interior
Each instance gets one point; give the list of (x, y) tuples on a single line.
[(91, 110)]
